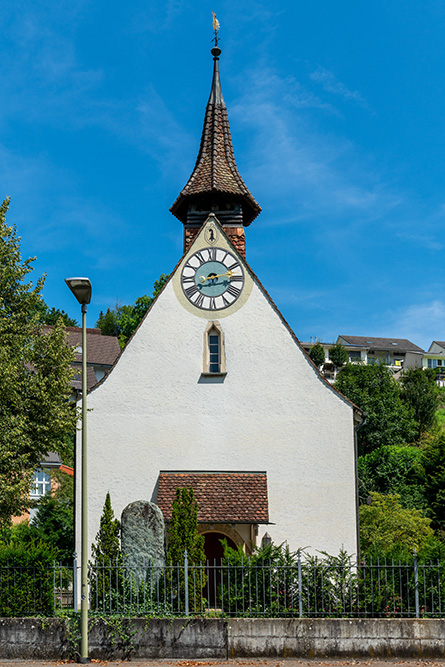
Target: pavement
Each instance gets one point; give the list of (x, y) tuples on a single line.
[(242, 662)]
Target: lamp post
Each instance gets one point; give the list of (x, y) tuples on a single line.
[(81, 288)]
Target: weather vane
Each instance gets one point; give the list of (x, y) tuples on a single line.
[(216, 27)]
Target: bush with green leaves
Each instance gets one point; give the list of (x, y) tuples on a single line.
[(264, 583), (389, 530), (27, 579)]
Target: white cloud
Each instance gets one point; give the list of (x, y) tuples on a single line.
[(320, 174), (421, 322), (332, 85)]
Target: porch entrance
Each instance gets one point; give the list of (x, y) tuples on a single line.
[(214, 553)]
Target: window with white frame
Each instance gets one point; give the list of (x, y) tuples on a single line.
[(41, 484)]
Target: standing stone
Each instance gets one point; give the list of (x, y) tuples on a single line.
[(143, 540)]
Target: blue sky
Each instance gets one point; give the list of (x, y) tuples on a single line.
[(336, 112)]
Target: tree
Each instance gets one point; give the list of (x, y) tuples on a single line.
[(433, 453), (338, 355), (36, 416), (122, 321), (51, 315), (106, 584), (107, 545), (372, 388), (420, 393), (389, 530), (317, 355), (183, 533), (393, 469)]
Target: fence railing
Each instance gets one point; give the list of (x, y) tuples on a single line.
[(313, 589)]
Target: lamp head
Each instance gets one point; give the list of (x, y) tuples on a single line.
[(81, 288)]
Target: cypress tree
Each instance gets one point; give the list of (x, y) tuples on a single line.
[(107, 545), (183, 533)]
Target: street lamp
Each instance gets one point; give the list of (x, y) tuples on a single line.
[(81, 288)]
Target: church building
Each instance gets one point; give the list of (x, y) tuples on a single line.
[(214, 391)]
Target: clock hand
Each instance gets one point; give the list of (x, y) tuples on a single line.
[(229, 274)]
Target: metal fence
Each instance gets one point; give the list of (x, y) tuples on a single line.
[(318, 588)]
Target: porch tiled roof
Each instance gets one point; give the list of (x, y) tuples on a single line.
[(223, 497)]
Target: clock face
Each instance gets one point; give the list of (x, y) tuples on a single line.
[(212, 279)]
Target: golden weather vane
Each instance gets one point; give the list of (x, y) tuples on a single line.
[(216, 27)]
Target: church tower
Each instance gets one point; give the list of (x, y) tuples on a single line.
[(215, 185)]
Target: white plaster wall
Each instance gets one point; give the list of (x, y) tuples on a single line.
[(155, 412)]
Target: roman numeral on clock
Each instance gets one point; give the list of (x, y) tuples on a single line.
[(236, 279), (212, 254), (190, 291), (199, 300), (232, 266), (200, 257), (233, 290)]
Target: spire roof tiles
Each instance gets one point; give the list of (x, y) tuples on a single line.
[(215, 169)]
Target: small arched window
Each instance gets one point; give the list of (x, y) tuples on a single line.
[(214, 349)]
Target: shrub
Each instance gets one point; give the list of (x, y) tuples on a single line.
[(27, 578)]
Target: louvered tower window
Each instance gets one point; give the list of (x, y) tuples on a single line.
[(214, 352)]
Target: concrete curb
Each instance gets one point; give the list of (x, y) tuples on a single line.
[(218, 638)]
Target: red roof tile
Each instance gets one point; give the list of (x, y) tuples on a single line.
[(223, 497)]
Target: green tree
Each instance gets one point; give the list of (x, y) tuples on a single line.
[(107, 545), (317, 354), (106, 584), (389, 530), (183, 533), (433, 452), (393, 469), (35, 414), (51, 316), (372, 388), (420, 393), (122, 321), (338, 355)]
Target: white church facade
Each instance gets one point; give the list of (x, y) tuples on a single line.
[(215, 392)]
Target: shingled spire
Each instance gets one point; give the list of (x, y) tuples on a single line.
[(215, 184)]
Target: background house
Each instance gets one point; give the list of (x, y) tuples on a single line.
[(397, 353)]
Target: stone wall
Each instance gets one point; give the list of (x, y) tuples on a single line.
[(26, 638)]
